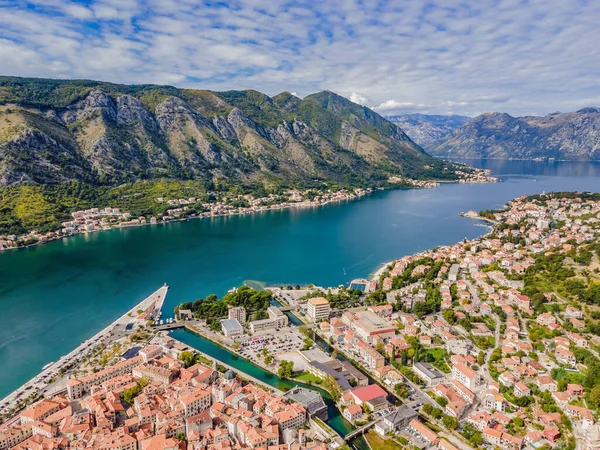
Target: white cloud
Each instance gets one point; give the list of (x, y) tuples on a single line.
[(516, 56), (395, 106), (358, 98)]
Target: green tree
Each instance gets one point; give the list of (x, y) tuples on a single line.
[(187, 358), (286, 369), (331, 385), (450, 422), (481, 358)]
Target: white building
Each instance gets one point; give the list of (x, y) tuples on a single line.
[(232, 328), (318, 308)]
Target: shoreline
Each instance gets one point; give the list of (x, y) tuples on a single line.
[(157, 297), (279, 207), (49, 369), (520, 159), (416, 184)]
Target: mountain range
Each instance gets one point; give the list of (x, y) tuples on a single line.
[(54, 131), (568, 136), (424, 129)]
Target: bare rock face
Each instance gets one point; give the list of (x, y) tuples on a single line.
[(130, 110), (425, 129), (224, 128), (188, 133), (96, 103), (34, 157), (348, 135)]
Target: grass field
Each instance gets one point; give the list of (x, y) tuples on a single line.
[(378, 443), (306, 377)]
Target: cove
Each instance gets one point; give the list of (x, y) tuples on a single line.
[(54, 296)]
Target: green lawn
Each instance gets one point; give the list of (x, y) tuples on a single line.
[(308, 378), (378, 443)]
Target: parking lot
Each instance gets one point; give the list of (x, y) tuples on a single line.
[(282, 341)]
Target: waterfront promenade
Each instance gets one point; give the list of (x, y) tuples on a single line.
[(42, 384)]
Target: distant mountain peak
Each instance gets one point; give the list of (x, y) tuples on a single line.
[(427, 128)]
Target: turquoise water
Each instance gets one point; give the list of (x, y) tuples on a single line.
[(54, 296)]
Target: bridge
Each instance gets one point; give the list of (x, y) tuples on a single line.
[(359, 430), (288, 308), (169, 326)]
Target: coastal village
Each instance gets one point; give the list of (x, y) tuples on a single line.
[(102, 219), (489, 343)]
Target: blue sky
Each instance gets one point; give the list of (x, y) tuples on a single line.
[(401, 56)]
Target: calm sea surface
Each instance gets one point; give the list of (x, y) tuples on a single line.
[(55, 296)]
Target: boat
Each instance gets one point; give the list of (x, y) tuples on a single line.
[(47, 366)]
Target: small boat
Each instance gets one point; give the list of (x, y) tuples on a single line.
[(47, 366)]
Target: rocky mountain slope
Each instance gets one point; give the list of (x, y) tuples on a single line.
[(424, 129), (53, 131), (570, 136)]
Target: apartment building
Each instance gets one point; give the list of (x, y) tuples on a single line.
[(318, 308)]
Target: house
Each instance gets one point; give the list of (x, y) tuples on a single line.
[(521, 390), (480, 419), (565, 356), (545, 383), (546, 319), (492, 436), (552, 433), (583, 414), (575, 389), (354, 414), (507, 379)]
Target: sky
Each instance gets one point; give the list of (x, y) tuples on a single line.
[(402, 56)]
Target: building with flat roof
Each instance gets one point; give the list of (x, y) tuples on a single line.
[(232, 328), (344, 373), (428, 373), (276, 320), (367, 325), (318, 308), (395, 421)]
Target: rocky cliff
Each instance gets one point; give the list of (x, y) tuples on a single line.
[(570, 136), (53, 131)]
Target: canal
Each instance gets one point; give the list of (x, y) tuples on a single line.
[(336, 421)]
